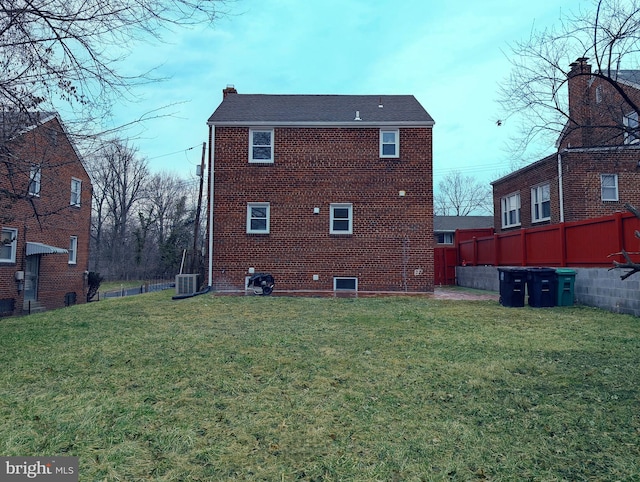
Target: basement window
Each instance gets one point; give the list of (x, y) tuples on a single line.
[(345, 284)]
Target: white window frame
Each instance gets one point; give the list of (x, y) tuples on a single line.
[(537, 202), (510, 203), (630, 121), (73, 250), (9, 233), (76, 192), (614, 187), (250, 218), (395, 143), (35, 178), (340, 278), (332, 218), (252, 145)]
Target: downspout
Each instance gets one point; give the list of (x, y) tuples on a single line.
[(560, 190), (212, 145)]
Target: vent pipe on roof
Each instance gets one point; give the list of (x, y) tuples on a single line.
[(357, 116)]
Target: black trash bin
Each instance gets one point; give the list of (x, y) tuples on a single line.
[(512, 285), (541, 286)]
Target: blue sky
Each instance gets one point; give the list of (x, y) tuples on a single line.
[(449, 54)]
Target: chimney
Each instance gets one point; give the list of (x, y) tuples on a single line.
[(578, 82), (230, 89)]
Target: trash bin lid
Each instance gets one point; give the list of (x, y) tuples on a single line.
[(565, 271)]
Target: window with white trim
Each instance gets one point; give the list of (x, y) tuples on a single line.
[(345, 284), (609, 187), (389, 143), (34, 180), (511, 210), (540, 203), (445, 238), (341, 219), (8, 244), (73, 250), (76, 191), (630, 122), (261, 145), (258, 218)]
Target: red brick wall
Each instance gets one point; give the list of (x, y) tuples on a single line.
[(49, 218), (391, 248), (581, 184)]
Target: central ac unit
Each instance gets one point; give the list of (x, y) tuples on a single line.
[(187, 284)]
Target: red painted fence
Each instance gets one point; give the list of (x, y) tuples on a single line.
[(577, 244)]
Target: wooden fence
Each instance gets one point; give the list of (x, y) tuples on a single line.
[(587, 243)]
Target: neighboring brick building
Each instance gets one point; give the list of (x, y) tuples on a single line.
[(596, 169), (45, 215), (325, 192), (445, 227)]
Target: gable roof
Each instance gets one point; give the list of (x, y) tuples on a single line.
[(451, 223), (13, 124), (318, 110)]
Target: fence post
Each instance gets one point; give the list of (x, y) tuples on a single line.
[(523, 243), (619, 231), (475, 252), (496, 250)]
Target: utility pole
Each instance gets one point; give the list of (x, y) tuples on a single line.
[(198, 209)]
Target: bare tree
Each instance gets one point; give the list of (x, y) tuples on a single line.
[(70, 50), (460, 195), (632, 266), (119, 178), (535, 93)]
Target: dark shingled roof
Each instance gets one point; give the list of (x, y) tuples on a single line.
[(13, 124), (451, 223), (257, 109)]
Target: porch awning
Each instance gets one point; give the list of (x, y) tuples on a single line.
[(40, 248)]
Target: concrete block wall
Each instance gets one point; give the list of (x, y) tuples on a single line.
[(597, 287)]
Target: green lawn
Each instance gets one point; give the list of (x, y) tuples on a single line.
[(322, 389)]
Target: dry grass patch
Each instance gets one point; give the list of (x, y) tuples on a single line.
[(255, 388)]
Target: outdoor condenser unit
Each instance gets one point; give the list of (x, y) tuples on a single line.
[(187, 284)]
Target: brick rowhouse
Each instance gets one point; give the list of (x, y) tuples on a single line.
[(49, 217), (323, 156)]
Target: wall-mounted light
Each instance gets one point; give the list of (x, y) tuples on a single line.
[(402, 193), (316, 210), (316, 277), (252, 270)]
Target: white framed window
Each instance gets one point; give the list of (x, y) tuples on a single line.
[(343, 283), (8, 244), (76, 191), (34, 180), (389, 143), (540, 203), (630, 122), (609, 187), (341, 219), (261, 145), (445, 238), (598, 94), (73, 250), (511, 210), (258, 218)]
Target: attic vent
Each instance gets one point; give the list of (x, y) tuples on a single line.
[(357, 115)]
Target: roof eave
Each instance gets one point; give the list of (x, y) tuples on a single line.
[(246, 123)]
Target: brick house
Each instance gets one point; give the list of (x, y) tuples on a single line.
[(325, 192), (596, 169), (45, 215), (445, 227)]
